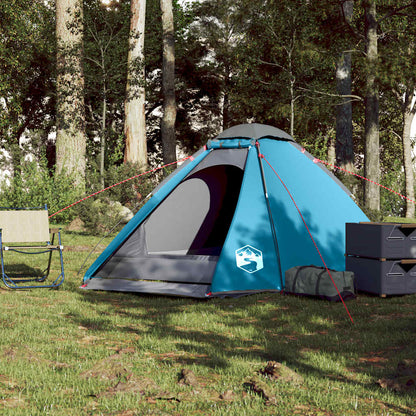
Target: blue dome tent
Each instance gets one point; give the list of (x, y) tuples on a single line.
[(231, 220)]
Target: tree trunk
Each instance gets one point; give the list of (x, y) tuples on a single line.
[(168, 81), (292, 106), (70, 112), (331, 152), (226, 110), (372, 150), (409, 111), (103, 137), (344, 144), (134, 106)]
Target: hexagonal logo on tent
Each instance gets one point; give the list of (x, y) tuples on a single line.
[(249, 259)]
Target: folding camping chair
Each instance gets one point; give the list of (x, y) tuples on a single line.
[(26, 231)]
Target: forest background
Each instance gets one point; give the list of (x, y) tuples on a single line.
[(338, 75)]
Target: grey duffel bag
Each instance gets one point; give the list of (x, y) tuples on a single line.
[(315, 281)]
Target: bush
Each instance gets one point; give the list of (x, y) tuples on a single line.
[(391, 203), (127, 193), (33, 186), (102, 212)]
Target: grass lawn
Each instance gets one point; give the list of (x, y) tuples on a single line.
[(75, 352)]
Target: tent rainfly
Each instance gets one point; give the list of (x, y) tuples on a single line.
[(227, 221)]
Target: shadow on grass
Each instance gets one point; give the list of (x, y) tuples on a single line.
[(311, 336), (24, 270)]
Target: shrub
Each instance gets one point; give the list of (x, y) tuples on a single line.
[(102, 212), (33, 186)]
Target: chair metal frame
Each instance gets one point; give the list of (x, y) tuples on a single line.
[(10, 235)]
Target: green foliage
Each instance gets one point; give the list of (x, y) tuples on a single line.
[(282, 73), (318, 147), (26, 69), (103, 212), (391, 203), (33, 186), (105, 66), (99, 215)]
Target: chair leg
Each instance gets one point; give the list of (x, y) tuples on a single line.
[(61, 277), (16, 283)]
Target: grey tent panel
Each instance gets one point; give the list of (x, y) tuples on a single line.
[(194, 218), (194, 269), (254, 131), (232, 157), (177, 170), (174, 224), (160, 288)]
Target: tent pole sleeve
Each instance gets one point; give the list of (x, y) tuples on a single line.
[(269, 210)]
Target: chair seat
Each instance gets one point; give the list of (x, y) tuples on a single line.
[(23, 231)]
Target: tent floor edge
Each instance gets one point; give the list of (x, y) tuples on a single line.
[(239, 293), (150, 287)]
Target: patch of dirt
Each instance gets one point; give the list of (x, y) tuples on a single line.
[(279, 372), (12, 402), (10, 393), (403, 380), (276, 372), (187, 378), (228, 396), (89, 339), (310, 411), (112, 368), (131, 384), (259, 387), (22, 352), (380, 358)]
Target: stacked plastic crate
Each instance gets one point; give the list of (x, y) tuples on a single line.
[(382, 257)]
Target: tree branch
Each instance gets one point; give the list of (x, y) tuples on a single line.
[(351, 96), (396, 11)]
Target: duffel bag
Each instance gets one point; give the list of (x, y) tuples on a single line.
[(315, 281)]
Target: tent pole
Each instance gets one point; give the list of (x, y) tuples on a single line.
[(269, 209)]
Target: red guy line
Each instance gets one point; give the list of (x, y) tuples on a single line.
[(119, 183), (310, 235), (315, 160)]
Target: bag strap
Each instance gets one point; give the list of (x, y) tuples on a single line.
[(318, 281), (296, 277)]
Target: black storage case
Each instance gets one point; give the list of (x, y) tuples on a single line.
[(382, 257), (381, 240), (383, 277)]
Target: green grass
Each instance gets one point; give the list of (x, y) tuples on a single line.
[(74, 352), (400, 220)]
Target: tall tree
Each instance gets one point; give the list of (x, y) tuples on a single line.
[(284, 75), (105, 64), (168, 83), (398, 33), (26, 74), (344, 143), (134, 108), (409, 111), (70, 110), (219, 26), (372, 135)]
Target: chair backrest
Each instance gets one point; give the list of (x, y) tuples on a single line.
[(24, 226)]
